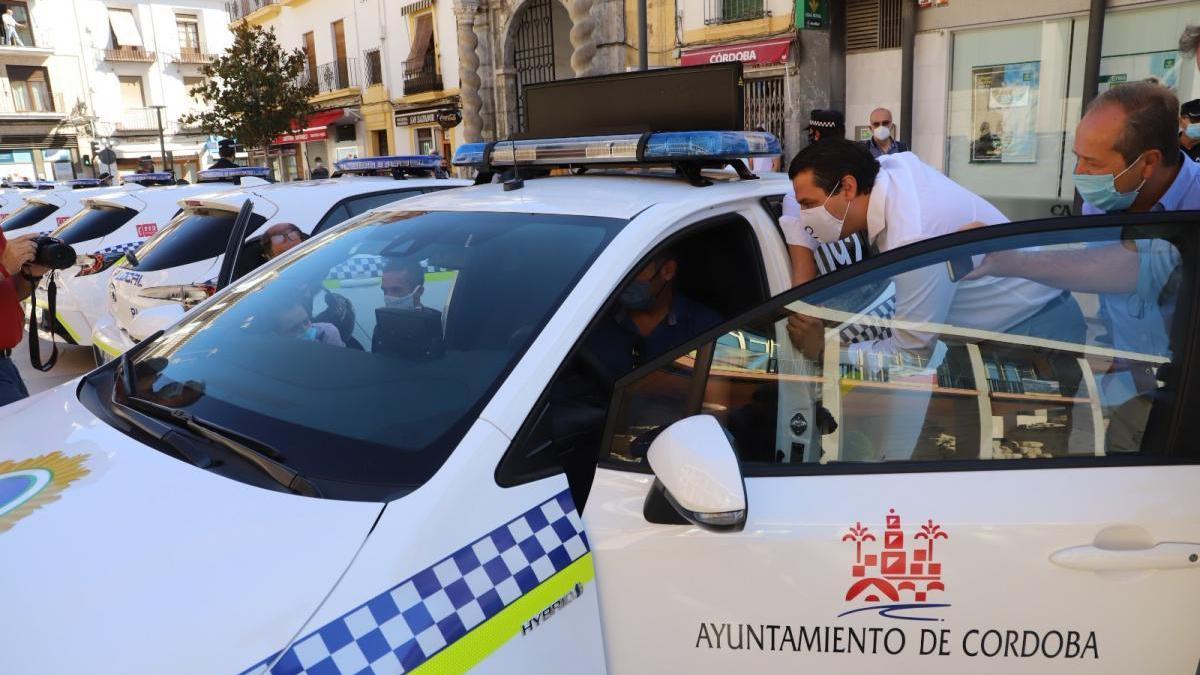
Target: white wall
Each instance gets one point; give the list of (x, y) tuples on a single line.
[(872, 81), (931, 73)]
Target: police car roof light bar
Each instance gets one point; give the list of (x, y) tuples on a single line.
[(233, 173), (657, 148), (421, 162), (155, 178), (80, 183)]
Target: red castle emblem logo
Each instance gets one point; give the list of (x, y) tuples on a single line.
[(895, 573)]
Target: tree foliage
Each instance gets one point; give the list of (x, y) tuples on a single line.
[(256, 89)]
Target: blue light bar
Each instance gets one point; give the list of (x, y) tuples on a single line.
[(155, 177), (659, 148), (423, 162), (34, 185), (85, 183), (214, 175)]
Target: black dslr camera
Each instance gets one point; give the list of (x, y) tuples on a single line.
[(53, 252)]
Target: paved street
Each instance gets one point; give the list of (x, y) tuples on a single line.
[(72, 362)]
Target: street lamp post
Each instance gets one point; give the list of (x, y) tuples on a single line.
[(162, 144)]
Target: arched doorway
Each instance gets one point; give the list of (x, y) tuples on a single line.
[(541, 47)]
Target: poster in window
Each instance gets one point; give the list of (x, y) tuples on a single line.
[(1004, 112), (1160, 66)]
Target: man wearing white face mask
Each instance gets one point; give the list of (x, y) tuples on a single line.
[(898, 200), (403, 284), (883, 134)]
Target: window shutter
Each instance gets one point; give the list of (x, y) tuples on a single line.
[(862, 25)]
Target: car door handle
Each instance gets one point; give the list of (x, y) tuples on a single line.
[(1164, 556)]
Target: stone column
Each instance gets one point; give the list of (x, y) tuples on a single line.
[(468, 69), (583, 37)]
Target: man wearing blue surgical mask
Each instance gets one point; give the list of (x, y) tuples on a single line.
[(652, 317), (1189, 129), (1128, 160)]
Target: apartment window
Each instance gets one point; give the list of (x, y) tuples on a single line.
[(124, 30), (872, 24), (24, 25), (30, 89), (310, 55), (190, 83), (374, 67), (338, 29), (420, 68), (132, 95), (188, 27), (728, 11)]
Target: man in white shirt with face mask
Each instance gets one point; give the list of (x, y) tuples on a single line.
[(898, 200)]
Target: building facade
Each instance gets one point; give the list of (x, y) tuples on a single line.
[(43, 133), (386, 73), (998, 87), (90, 75)]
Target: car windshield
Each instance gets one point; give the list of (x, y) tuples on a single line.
[(31, 213), (365, 358), (93, 222), (192, 236)]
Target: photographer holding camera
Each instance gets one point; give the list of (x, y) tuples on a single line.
[(17, 280)]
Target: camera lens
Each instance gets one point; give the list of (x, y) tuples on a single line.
[(53, 253)]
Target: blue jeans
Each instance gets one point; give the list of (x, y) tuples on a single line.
[(12, 388)]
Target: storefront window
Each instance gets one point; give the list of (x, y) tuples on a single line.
[(1016, 97), (16, 164)]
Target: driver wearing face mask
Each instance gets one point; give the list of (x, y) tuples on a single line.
[(403, 285), (652, 317)]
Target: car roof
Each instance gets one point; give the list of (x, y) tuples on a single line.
[(613, 195), (325, 191), (138, 199)]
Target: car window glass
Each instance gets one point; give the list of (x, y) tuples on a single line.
[(31, 213), (336, 215), (1009, 369), (366, 356), (716, 272), (194, 235), (367, 202), (93, 222)]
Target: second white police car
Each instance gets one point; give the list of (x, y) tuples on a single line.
[(568, 431), (178, 266)]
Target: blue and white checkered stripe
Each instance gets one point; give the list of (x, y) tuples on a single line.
[(362, 266), (403, 627), (884, 307), (120, 249)]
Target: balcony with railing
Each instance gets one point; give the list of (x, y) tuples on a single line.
[(195, 56), (32, 44), (730, 11), (421, 75), (143, 120), (130, 54), (26, 104), (240, 9), (333, 76)]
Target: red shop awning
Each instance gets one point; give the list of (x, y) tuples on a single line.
[(763, 53), (317, 129)]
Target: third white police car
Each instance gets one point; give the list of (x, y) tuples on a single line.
[(591, 445), (45, 209), (178, 266), (107, 228)]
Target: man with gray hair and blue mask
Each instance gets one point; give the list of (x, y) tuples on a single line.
[(1127, 160)]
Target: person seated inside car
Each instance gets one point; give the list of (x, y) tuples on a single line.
[(294, 321), (404, 326), (652, 317), (280, 238)]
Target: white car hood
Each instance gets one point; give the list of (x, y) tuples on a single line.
[(130, 561)]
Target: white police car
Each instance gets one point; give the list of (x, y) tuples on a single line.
[(45, 209), (178, 266), (102, 232), (590, 444)]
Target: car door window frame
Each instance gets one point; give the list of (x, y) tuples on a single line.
[(924, 253), (508, 475), (323, 225)]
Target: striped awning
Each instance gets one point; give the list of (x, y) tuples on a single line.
[(418, 6)]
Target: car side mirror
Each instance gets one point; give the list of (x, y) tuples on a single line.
[(153, 319), (697, 473)]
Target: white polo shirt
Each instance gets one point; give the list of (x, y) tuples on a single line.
[(910, 202)]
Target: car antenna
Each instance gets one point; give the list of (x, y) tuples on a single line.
[(516, 182)]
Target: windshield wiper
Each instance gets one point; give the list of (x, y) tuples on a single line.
[(264, 457)]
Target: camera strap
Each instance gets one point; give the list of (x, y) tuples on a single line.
[(35, 344)]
